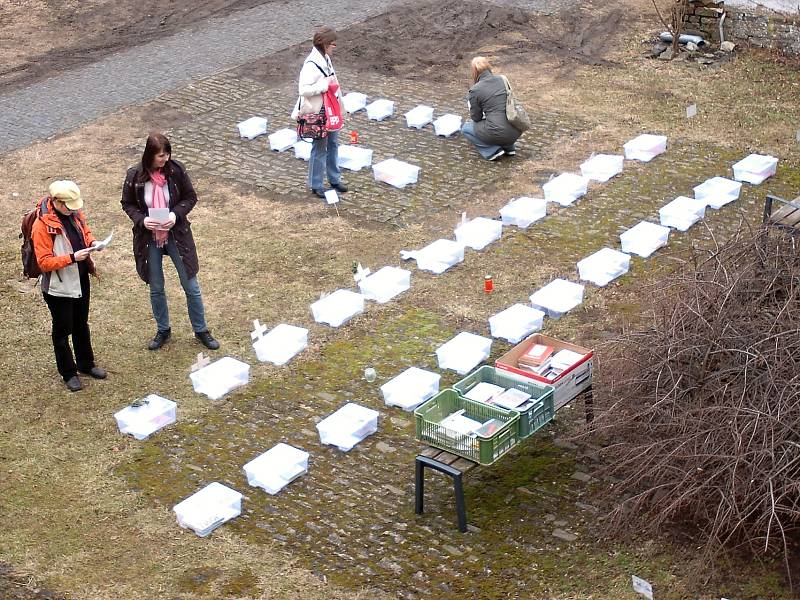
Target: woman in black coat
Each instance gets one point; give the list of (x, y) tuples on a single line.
[(489, 129), (157, 196)]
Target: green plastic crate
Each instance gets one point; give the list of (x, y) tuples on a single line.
[(530, 419), (481, 449)]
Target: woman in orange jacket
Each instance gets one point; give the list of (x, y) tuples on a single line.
[(63, 244)]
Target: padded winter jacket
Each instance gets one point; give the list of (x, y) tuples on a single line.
[(487, 107)]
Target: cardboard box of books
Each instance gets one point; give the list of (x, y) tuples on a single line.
[(567, 367)]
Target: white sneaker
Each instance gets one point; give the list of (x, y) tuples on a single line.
[(497, 154)]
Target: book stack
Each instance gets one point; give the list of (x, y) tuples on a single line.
[(489, 393), (554, 364)]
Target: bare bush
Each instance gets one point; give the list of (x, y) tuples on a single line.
[(700, 412), (672, 18)]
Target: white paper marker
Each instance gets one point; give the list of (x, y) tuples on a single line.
[(331, 197), (640, 586), (258, 330), (691, 111)]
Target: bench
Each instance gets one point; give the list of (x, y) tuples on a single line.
[(456, 467), (787, 216)]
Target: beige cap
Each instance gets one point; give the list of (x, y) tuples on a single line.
[(68, 192)]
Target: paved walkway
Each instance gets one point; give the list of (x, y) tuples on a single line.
[(65, 102)]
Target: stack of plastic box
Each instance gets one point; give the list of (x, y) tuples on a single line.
[(410, 388), (516, 322), (603, 266), (354, 158), (479, 232), (338, 307), (557, 297), (524, 211), (565, 189), (348, 426), (645, 147), (682, 213), (283, 139), (385, 284), (439, 256), (354, 101), (718, 191), (276, 468), (146, 416), (380, 110), (252, 127), (281, 344), (755, 168), (602, 167), (396, 172), (644, 238), (464, 352), (419, 116), (220, 377), (302, 150), (447, 125), (204, 511)]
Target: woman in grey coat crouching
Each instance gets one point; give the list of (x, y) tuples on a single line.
[(489, 129)]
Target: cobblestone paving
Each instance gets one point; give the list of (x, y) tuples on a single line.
[(451, 168), (351, 517)]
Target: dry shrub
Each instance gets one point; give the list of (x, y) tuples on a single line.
[(700, 413)]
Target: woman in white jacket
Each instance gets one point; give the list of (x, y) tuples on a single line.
[(317, 77)]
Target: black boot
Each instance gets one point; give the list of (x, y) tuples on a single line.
[(160, 339)]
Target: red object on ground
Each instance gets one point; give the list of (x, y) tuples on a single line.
[(488, 284), (353, 137)]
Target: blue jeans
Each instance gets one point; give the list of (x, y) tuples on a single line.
[(324, 156), (158, 297), (486, 150)]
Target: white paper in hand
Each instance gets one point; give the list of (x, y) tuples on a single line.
[(331, 197), (640, 586), (159, 214), (104, 243)]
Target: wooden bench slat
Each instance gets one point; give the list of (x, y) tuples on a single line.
[(463, 465), (430, 452), (783, 212)]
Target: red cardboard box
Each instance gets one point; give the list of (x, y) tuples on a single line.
[(569, 383)]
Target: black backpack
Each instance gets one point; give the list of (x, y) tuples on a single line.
[(30, 266)]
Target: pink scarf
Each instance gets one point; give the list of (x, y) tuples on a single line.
[(159, 201)]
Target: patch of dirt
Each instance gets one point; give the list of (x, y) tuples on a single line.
[(14, 586), (44, 37), (434, 40)]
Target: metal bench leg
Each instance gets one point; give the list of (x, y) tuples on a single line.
[(419, 486), (461, 508)]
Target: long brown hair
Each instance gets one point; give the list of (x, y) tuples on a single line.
[(156, 143), (324, 37), (478, 65)]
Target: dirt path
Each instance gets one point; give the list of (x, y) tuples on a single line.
[(44, 37)]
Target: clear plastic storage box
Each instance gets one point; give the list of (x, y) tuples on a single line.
[(354, 158), (396, 172), (410, 388), (380, 109), (283, 139), (220, 377), (281, 344), (204, 511), (447, 125), (755, 168), (644, 238), (252, 127), (603, 266), (385, 284), (645, 147), (348, 426), (557, 297), (338, 307), (276, 468), (524, 212), (439, 256), (516, 322), (464, 352), (682, 213), (151, 414), (354, 101), (565, 189), (419, 116), (302, 150), (602, 167), (479, 232), (718, 191)]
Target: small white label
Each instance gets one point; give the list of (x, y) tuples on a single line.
[(331, 197), (640, 586), (691, 111), (258, 330), (797, 135)]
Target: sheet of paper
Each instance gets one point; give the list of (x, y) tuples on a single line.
[(159, 214), (691, 111), (104, 243), (640, 586), (331, 197)]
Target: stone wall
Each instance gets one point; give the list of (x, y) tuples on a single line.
[(756, 27)]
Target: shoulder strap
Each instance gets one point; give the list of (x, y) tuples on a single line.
[(321, 70), (507, 84)]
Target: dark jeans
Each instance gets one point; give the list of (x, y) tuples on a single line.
[(71, 317)]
